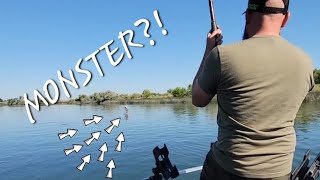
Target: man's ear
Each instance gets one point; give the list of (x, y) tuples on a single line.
[(248, 17), (285, 20)]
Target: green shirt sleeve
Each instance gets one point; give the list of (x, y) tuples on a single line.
[(210, 75)]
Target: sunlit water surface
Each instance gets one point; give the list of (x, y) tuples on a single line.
[(35, 152)]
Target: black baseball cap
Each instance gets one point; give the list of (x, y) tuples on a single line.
[(260, 6)]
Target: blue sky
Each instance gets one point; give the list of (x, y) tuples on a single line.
[(37, 39)]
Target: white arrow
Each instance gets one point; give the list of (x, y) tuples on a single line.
[(103, 149), (70, 132), (76, 148), (94, 136), (111, 166), (114, 123), (96, 119), (120, 139), (85, 160)]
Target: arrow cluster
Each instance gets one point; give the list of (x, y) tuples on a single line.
[(95, 137)]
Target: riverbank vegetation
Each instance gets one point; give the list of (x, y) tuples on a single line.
[(172, 96), (316, 75), (314, 95), (176, 95)]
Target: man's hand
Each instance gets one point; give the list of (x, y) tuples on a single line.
[(214, 39)]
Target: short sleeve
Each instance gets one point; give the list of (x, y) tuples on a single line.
[(210, 75)]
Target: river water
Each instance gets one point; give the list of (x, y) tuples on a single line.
[(35, 152)]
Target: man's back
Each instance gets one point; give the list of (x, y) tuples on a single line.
[(261, 85)]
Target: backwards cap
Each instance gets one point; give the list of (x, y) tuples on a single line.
[(260, 6)]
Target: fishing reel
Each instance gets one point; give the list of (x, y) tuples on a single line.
[(164, 168), (306, 172)]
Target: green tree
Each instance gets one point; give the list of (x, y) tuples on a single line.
[(316, 75), (10, 102), (99, 98), (1, 100), (83, 99), (179, 92), (189, 90), (146, 94), (124, 96), (135, 96), (14, 102)]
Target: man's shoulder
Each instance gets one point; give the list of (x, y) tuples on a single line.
[(230, 46), (235, 46), (252, 44), (226, 51), (299, 52)]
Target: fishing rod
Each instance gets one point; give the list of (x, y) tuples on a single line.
[(212, 15), (214, 25)]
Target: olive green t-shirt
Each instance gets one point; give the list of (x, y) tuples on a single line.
[(260, 84)]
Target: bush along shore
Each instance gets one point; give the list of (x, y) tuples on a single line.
[(172, 96)]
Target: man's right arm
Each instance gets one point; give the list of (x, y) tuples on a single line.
[(201, 96)]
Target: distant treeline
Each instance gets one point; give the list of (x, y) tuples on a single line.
[(172, 95), (12, 102), (104, 97)]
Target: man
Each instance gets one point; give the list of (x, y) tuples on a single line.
[(260, 84)]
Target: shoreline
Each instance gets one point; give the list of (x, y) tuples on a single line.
[(312, 97), (147, 97), (139, 101)]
